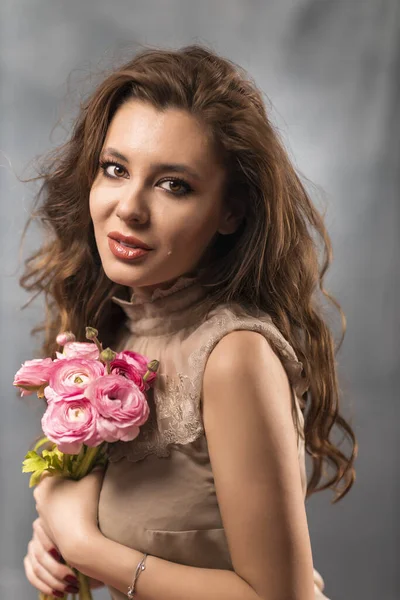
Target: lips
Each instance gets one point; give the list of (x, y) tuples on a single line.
[(126, 253), (128, 240)]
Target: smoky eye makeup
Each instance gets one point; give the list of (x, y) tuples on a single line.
[(185, 190)]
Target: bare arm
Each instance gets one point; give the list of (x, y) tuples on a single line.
[(253, 452), (115, 564)]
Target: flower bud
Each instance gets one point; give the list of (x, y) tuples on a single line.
[(151, 368), (153, 365), (91, 333), (107, 355), (65, 337)]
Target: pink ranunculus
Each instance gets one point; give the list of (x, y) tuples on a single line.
[(65, 337), (120, 366), (139, 361), (71, 423), (134, 358), (32, 375), (121, 405), (87, 350), (69, 377), (52, 396)]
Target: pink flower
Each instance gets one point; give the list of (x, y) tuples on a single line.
[(87, 350), (139, 361), (69, 377), (121, 405), (51, 395), (120, 366), (71, 423), (65, 337), (32, 375), (134, 358)]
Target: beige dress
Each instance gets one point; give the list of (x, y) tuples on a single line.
[(158, 494)]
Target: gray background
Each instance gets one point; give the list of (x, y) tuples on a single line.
[(331, 70)]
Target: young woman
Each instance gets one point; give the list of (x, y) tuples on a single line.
[(179, 228)]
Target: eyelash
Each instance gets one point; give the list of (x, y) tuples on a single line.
[(104, 164)]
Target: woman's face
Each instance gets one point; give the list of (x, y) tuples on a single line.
[(159, 181)]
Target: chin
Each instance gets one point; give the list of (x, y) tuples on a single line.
[(131, 276), (140, 275), (123, 275)]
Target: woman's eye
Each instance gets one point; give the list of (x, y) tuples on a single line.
[(112, 170), (177, 187)]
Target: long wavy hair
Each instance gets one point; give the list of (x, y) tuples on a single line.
[(276, 260)]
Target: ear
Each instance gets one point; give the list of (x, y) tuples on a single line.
[(230, 221)]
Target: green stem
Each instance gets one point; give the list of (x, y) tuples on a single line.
[(40, 442), (66, 462), (88, 460), (84, 587), (98, 344)]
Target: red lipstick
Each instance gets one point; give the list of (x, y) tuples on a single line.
[(127, 247), (128, 240)]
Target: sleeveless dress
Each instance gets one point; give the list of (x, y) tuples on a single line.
[(158, 494)]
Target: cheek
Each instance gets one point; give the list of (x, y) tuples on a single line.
[(97, 207), (198, 228), (93, 206)]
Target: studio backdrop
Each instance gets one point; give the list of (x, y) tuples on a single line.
[(330, 73)]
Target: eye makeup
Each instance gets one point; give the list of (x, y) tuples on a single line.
[(187, 189)]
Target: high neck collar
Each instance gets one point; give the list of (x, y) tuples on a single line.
[(168, 309)]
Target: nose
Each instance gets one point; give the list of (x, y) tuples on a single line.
[(133, 205)]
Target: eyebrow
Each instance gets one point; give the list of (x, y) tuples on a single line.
[(175, 167)]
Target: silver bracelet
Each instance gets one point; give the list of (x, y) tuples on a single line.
[(141, 567)]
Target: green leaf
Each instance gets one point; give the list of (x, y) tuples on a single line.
[(33, 462), (35, 478), (53, 459)]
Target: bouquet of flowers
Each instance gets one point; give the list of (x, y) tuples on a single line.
[(94, 397)]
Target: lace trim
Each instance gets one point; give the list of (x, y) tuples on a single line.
[(174, 419), (293, 367), (175, 412)]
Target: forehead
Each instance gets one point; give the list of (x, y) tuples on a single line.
[(139, 130)]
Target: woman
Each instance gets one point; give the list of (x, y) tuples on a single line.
[(174, 153)]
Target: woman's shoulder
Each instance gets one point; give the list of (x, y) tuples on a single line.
[(228, 317)]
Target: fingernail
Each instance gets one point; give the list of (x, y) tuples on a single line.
[(72, 589), (58, 594), (71, 579), (56, 555)]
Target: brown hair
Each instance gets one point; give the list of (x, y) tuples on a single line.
[(270, 263)]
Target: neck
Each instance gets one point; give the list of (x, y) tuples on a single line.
[(167, 309), (147, 293)]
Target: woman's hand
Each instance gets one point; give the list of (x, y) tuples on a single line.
[(68, 510), (44, 568)]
